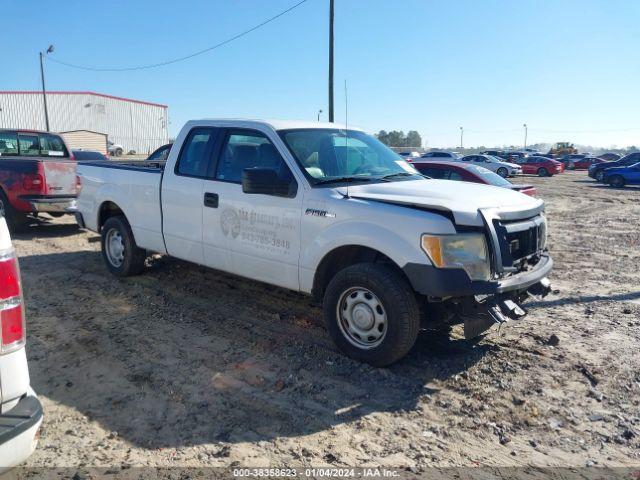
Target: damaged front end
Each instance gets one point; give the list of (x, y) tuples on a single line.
[(520, 263), (480, 313)]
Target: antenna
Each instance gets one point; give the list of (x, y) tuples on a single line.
[(346, 133), (346, 108)]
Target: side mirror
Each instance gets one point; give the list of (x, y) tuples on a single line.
[(266, 181)]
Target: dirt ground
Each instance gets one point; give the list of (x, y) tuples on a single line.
[(184, 366)]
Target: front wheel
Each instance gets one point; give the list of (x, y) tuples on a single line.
[(600, 176), (503, 172), (543, 172), (617, 181), (119, 250), (372, 313)]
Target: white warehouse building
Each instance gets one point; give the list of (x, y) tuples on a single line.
[(134, 124)]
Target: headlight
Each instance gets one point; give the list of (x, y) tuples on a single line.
[(465, 250)]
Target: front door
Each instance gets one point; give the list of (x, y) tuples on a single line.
[(261, 232)]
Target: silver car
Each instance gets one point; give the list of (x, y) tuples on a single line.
[(495, 164)]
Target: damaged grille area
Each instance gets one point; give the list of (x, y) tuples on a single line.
[(516, 243), (520, 240)]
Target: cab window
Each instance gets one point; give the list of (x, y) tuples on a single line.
[(248, 149), (8, 143), (52, 146), (29, 145), (195, 156)]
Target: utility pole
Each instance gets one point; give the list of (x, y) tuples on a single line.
[(461, 137), (44, 90), (331, 60), (319, 112), (525, 135)]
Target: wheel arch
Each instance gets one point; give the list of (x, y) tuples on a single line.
[(107, 210), (342, 257)]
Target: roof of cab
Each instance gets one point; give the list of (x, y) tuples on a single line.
[(277, 124)]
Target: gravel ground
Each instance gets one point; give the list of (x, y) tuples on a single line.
[(185, 366)]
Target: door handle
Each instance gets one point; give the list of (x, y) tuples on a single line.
[(211, 200)]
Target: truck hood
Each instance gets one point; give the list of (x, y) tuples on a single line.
[(461, 199)]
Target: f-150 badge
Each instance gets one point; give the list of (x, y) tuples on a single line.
[(319, 213)]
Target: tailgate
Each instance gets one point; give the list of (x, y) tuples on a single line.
[(60, 177)]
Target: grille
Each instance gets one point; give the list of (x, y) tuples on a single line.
[(520, 239)]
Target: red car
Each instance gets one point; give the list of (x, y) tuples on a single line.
[(37, 174), (585, 163), (469, 173), (541, 166)]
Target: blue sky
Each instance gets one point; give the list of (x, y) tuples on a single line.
[(570, 69)]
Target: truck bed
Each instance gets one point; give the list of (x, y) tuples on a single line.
[(134, 187), (139, 165)]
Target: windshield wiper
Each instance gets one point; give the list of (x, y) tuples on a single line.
[(343, 180), (402, 174)]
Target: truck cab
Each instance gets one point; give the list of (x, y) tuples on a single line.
[(328, 211)]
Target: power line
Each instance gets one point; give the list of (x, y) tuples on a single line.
[(585, 131), (179, 59)]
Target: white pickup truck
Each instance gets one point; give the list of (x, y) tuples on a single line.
[(331, 212), (20, 409)]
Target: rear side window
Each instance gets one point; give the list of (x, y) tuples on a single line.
[(52, 146), (29, 145), (195, 156), (8, 143)]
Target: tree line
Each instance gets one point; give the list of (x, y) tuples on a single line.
[(396, 138)]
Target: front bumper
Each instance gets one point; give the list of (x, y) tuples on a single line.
[(42, 203), (18, 431), (454, 282)]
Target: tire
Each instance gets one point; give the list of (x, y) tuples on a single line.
[(396, 311), (118, 152), (119, 250), (617, 181), (15, 219), (600, 175), (503, 172), (56, 214), (543, 172)]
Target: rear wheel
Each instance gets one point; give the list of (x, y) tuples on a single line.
[(503, 172), (15, 219), (119, 250), (543, 172), (372, 313), (617, 181)]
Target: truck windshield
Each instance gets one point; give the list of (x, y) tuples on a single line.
[(331, 156)]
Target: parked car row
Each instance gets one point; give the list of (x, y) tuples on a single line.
[(625, 171)]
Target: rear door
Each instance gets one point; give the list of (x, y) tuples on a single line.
[(58, 169), (182, 195)]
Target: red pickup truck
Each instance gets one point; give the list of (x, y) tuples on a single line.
[(37, 174)]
